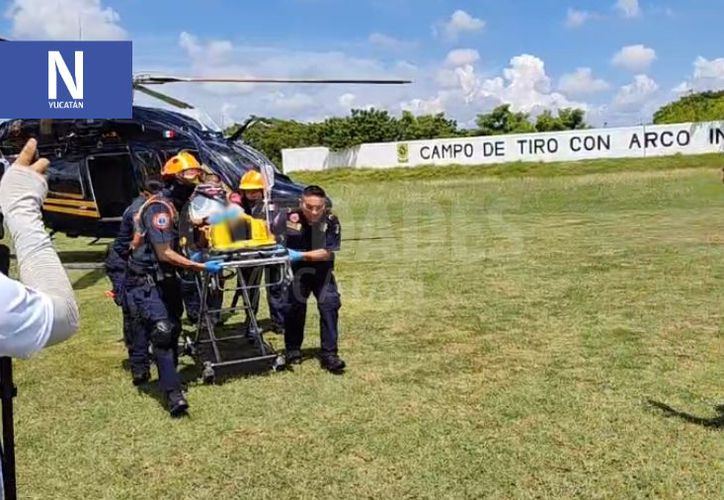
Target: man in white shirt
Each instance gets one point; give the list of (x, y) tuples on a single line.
[(40, 309)]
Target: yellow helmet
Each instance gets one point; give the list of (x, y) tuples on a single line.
[(180, 163), (251, 180)]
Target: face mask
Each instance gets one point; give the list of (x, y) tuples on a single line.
[(180, 193)]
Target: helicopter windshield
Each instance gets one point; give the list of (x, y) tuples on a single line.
[(257, 157), (202, 117)]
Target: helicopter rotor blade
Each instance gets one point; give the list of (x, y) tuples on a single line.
[(158, 80), (163, 97)]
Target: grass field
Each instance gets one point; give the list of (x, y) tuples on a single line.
[(503, 334)]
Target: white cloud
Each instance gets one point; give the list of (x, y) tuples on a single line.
[(447, 78), (286, 103), (708, 75), (581, 82), (425, 107), (632, 97), (462, 57), (220, 58), (46, 20), (389, 42), (460, 22), (635, 58), (453, 85), (347, 100), (628, 8), (577, 18), (215, 52), (524, 85)]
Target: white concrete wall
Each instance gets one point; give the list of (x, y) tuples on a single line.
[(628, 142)]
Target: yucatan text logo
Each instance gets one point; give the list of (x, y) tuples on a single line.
[(66, 80)]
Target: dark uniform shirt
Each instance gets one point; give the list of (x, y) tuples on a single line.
[(158, 223), (122, 243), (253, 208), (298, 234)]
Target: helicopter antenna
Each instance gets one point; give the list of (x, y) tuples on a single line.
[(252, 120)]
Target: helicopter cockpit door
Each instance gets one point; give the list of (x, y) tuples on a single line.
[(112, 183)]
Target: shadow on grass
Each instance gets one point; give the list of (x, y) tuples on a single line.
[(188, 374), (237, 350), (89, 279), (715, 422), (81, 256)]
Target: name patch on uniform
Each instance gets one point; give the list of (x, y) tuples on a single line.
[(162, 221)]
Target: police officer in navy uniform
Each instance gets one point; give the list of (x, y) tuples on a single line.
[(116, 264), (152, 285), (312, 234)]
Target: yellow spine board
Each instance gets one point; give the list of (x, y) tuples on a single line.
[(221, 238)]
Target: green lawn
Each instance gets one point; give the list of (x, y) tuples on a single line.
[(503, 334)]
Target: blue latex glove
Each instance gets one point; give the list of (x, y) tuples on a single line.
[(196, 257), (213, 266), (295, 256)]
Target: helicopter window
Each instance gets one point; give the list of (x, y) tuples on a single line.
[(148, 162), (65, 178), (113, 183)]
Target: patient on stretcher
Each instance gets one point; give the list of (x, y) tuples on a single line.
[(213, 225)]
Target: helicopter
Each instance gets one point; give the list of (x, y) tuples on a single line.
[(97, 166)]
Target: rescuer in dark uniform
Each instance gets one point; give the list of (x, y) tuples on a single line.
[(116, 264), (312, 234), (251, 198), (152, 285)]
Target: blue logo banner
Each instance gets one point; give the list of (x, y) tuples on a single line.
[(66, 80)]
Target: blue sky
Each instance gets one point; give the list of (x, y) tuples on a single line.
[(619, 59)]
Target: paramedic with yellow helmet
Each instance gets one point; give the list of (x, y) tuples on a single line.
[(251, 198)]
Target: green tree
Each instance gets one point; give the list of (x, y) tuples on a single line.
[(700, 107), (411, 127), (572, 118), (567, 119), (502, 120), (546, 122), (337, 133)]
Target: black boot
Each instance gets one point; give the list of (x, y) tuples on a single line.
[(293, 357), (333, 363), (177, 404), (140, 376)]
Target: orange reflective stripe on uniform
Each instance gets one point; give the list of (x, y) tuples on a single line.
[(140, 230)]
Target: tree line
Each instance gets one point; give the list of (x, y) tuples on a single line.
[(271, 135)]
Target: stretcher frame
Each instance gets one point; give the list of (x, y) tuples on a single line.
[(259, 259)]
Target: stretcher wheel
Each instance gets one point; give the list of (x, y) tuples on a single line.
[(188, 348), (208, 375), (279, 364)]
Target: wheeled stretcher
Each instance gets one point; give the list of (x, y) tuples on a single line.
[(235, 280), (245, 248)]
